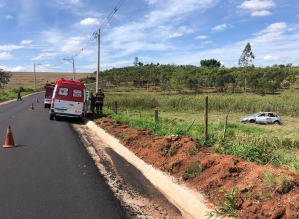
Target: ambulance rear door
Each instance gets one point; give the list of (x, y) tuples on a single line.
[(69, 101)]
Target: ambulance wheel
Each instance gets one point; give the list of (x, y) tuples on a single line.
[(51, 116)]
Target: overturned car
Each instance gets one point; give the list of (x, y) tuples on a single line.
[(262, 118)]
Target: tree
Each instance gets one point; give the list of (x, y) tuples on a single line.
[(179, 78), (212, 63), (246, 57), (192, 79), (224, 79), (4, 78), (135, 61), (273, 78), (254, 80)]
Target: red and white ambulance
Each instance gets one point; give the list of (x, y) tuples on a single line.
[(49, 88), (68, 99)]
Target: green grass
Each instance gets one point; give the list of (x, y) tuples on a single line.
[(255, 144), (192, 171), (274, 144), (13, 94), (227, 207), (226, 103), (269, 179)]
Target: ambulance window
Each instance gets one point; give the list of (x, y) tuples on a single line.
[(77, 93), (63, 91)]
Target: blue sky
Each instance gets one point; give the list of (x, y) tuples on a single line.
[(180, 32)]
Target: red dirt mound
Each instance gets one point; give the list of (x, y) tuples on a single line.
[(262, 191)]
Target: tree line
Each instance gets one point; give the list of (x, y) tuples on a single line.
[(268, 79), (210, 74)]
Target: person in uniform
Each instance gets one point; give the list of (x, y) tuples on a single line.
[(99, 101)]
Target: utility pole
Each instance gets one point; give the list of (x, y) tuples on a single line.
[(35, 75), (98, 68), (73, 62)]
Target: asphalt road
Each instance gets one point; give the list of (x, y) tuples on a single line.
[(49, 174)]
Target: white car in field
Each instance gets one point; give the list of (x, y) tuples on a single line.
[(262, 118)]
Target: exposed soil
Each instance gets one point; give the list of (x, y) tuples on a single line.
[(255, 198)]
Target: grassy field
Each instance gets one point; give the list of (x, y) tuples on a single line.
[(26, 79), (184, 115), (275, 144), (188, 108)]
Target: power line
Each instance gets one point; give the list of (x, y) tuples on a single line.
[(111, 15), (102, 27)]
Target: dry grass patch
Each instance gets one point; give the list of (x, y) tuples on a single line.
[(26, 79)]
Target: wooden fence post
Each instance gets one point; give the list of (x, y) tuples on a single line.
[(156, 116), (225, 126), (115, 107), (206, 118)]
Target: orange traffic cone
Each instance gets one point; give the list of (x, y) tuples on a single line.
[(37, 100), (9, 142), (31, 108)]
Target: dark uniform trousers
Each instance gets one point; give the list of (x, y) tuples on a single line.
[(99, 102)]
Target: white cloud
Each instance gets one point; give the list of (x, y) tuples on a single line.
[(45, 56), (175, 10), (164, 21), (274, 28), (66, 4), (185, 29), (8, 17), (268, 58), (131, 32), (150, 37), (26, 41), (5, 56), (152, 2), (202, 37), (260, 13), (219, 27), (17, 69), (56, 41), (207, 42), (72, 44), (90, 22), (256, 4), (53, 37), (10, 47), (88, 13), (175, 35), (127, 48)]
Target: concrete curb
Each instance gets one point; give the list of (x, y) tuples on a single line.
[(191, 203)]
